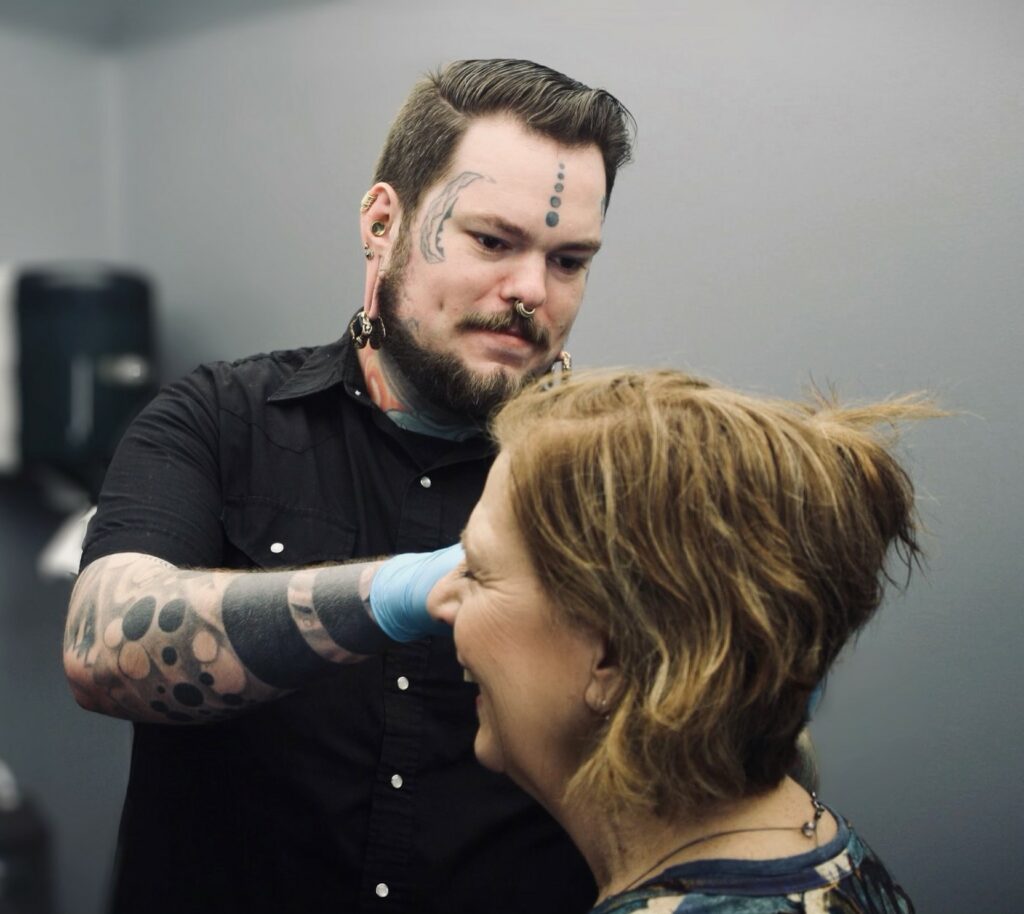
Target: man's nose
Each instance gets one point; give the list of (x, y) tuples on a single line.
[(529, 282)]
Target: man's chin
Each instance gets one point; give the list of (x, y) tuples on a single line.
[(482, 390), (470, 383)]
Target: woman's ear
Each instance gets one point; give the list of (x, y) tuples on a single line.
[(605, 686), (380, 220)]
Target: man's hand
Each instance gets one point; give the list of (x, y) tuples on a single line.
[(400, 588)]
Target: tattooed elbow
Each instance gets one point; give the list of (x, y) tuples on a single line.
[(78, 680)]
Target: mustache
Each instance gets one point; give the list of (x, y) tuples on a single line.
[(507, 322)]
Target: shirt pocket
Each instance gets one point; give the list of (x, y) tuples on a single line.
[(273, 535)]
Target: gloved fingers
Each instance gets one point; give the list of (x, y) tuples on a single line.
[(401, 586)]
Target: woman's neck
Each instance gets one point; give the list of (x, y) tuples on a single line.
[(626, 850)]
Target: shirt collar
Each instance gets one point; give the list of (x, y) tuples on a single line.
[(325, 367)]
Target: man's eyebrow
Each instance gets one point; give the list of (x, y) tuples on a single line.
[(504, 226), (591, 247), (511, 230)]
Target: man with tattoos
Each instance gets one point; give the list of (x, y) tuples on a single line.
[(303, 737)]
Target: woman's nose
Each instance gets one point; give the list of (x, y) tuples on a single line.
[(443, 601)]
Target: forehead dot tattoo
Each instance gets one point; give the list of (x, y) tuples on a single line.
[(552, 217)]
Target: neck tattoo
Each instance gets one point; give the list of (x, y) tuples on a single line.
[(392, 393), (809, 830)]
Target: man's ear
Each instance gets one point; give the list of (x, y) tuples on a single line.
[(380, 220), (605, 686)]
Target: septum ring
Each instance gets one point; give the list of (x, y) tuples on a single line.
[(522, 310)]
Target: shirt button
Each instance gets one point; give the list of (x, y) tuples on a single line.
[(396, 781), (402, 683), (425, 482), (382, 890), (277, 548)]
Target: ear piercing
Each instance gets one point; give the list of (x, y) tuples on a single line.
[(377, 229), (367, 201), (362, 331)]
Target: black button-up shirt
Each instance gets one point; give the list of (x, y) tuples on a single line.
[(359, 792)]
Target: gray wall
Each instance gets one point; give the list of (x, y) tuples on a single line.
[(822, 191), (57, 200), (56, 167)]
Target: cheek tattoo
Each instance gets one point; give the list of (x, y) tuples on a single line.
[(556, 201)]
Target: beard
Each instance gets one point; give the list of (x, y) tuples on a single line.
[(441, 378)]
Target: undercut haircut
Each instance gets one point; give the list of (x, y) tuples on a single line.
[(725, 546), (422, 140)]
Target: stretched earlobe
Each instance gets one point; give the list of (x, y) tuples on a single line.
[(380, 221)]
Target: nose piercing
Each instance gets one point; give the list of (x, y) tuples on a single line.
[(522, 310)]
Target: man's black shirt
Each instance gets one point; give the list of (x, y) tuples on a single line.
[(359, 792)]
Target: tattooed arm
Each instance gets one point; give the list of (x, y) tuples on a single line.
[(151, 642)]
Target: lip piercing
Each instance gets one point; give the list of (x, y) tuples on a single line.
[(522, 310)]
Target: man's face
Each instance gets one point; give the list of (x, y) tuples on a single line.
[(517, 216)]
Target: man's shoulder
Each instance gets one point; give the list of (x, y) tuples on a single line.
[(276, 364), (256, 378)]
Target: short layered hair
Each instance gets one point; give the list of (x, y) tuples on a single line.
[(726, 546), (422, 140)]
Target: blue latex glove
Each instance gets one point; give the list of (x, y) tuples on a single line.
[(398, 592)]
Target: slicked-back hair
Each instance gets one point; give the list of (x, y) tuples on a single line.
[(727, 546), (422, 140)]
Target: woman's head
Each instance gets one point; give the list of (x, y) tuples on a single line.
[(722, 547)]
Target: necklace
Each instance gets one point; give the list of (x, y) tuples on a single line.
[(809, 830)]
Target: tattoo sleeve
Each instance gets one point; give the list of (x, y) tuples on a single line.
[(150, 642)]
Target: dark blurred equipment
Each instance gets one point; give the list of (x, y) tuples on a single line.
[(24, 852), (85, 365)]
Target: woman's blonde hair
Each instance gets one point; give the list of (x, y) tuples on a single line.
[(726, 546)]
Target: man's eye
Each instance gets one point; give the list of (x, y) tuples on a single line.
[(464, 572), (570, 264), (491, 243)]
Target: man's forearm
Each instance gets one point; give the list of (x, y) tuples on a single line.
[(148, 641)]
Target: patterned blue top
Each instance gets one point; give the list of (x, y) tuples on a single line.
[(841, 877)]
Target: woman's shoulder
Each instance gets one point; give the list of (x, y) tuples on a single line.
[(843, 877)]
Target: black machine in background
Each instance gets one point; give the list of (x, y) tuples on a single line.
[(86, 365), (25, 864)]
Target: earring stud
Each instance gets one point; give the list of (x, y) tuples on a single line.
[(367, 253)]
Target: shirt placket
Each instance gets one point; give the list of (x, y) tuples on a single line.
[(386, 875), (393, 815)]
